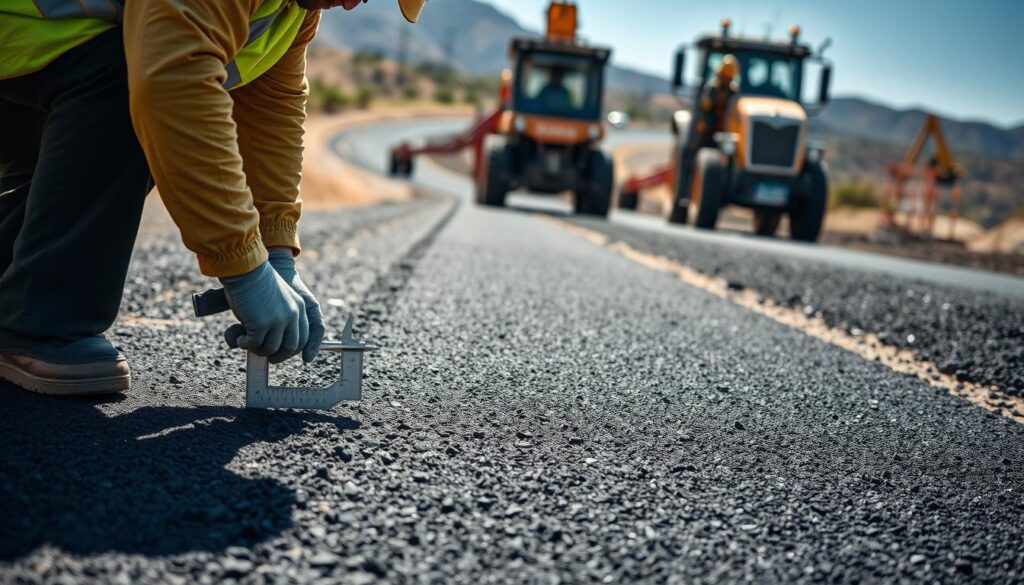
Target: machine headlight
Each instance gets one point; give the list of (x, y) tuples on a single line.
[(815, 151), (727, 142), (519, 124)]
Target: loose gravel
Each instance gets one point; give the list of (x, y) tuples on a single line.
[(543, 412), (974, 335)]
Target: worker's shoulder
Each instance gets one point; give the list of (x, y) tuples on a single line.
[(312, 18), (310, 24)]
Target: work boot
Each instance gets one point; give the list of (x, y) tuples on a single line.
[(88, 366)]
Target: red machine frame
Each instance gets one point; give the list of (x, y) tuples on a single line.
[(403, 154), (635, 184)]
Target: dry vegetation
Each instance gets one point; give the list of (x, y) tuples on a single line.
[(345, 81), (342, 80), (992, 189)]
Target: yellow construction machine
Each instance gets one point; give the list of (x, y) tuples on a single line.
[(763, 158)]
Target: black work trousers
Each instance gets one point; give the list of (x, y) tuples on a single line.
[(73, 180)]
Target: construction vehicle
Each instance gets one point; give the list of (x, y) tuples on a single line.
[(546, 132), (763, 159), (919, 209)]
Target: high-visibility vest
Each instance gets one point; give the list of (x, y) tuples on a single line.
[(35, 32)]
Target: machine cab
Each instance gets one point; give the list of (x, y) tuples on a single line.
[(766, 125), (762, 73), (557, 78), (556, 82), (768, 69)]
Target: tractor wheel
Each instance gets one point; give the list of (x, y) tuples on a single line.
[(595, 197), (766, 223), (400, 167), (680, 212), (805, 221), (491, 186), (629, 200), (710, 179)]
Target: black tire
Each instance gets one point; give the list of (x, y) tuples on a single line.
[(712, 191), (491, 185), (595, 197), (680, 212), (400, 167), (766, 223), (806, 219), (629, 200)]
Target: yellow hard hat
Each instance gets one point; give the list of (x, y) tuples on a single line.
[(729, 67), (411, 9)]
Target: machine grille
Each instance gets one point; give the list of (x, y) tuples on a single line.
[(774, 146)]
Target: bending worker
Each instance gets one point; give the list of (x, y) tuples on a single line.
[(715, 99), (98, 99)]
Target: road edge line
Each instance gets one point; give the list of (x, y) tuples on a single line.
[(867, 346)]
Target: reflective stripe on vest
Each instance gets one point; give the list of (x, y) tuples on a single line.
[(272, 32), (109, 10), (32, 41), (36, 32)]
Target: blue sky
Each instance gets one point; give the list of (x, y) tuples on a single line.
[(960, 58)]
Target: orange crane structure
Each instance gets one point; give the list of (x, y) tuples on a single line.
[(919, 206)]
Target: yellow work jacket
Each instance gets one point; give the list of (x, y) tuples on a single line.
[(217, 93)]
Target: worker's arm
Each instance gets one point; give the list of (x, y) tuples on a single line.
[(269, 113), (176, 51), (707, 98)]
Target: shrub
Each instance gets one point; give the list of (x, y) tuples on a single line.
[(444, 95), (370, 58), (411, 92), (855, 195), (365, 97), (327, 98)]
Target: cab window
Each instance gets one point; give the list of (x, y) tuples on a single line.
[(562, 86), (763, 74)]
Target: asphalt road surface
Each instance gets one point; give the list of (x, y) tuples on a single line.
[(544, 410)]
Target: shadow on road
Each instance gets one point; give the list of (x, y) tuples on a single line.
[(150, 482), (525, 208)]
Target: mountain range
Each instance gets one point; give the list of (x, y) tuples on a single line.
[(865, 119), (476, 35)]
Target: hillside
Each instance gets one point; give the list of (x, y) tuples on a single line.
[(863, 135), (477, 33), (860, 118)]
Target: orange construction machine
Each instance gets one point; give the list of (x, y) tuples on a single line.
[(546, 132), (918, 208), (761, 158)]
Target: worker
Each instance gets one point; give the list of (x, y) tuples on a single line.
[(555, 96), (99, 100), (715, 99)]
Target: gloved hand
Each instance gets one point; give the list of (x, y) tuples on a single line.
[(272, 316), (283, 261)]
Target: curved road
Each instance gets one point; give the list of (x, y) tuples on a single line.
[(369, 147), (547, 408)]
